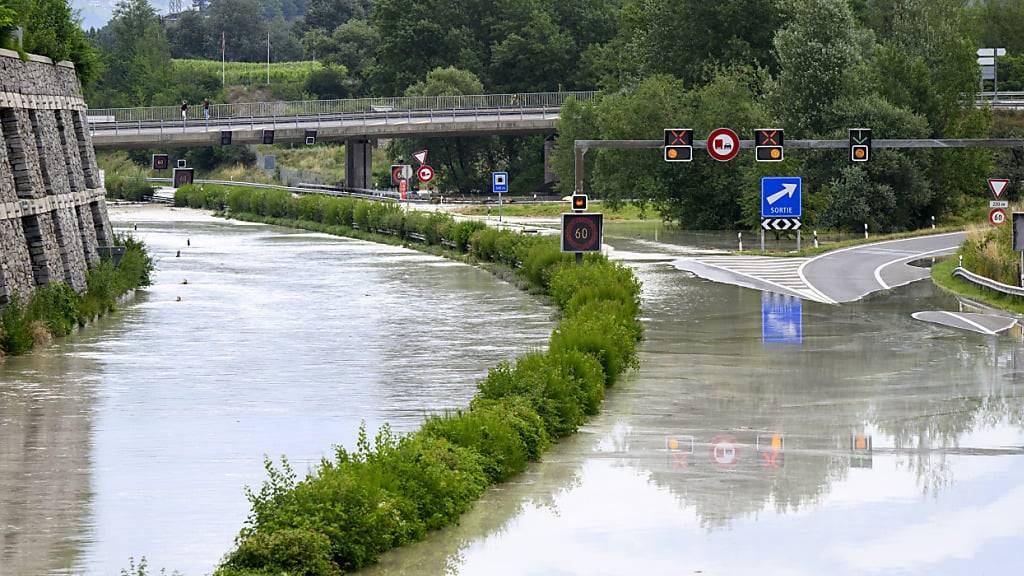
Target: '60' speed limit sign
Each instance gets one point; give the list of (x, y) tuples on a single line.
[(582, 232)]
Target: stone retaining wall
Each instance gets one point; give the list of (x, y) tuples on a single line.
[(53, 217)]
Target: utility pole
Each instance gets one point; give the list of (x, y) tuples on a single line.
[(268, 57), (222, 47)]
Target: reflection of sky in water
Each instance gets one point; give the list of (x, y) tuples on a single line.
[(873, 521), (936, 494)]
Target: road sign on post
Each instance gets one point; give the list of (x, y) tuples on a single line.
[(678, 145), (723, 144), (582, 232), (183, 176), (425, 174), (310, 137), (860, 144), (998, 186), (400, 172), (781, 196), (996, 216), (161, 161), (225, 138), (420, 156), (579, 202), (768, 145)]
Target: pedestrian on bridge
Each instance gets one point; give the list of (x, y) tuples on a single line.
[(206, 109), (184, 110)]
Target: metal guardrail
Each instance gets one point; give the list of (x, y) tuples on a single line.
[(988, 282), (313, 108), (364, 193)]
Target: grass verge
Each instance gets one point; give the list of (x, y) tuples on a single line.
[(942, 275), (393, 489), (56, 309), (829, 247)]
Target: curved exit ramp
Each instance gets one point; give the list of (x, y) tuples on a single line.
[(988, 324)]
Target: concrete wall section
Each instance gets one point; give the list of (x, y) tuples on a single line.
[(53, 216)]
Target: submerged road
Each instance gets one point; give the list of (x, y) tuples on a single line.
[(844, 275)]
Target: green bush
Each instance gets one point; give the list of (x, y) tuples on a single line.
[(134, 188), (381, 496), (57, 305), (294, 551)]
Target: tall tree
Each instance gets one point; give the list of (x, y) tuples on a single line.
[(351, 45), (326, 15), (189, 38), (245, 31), (50, 29), (136, 55)]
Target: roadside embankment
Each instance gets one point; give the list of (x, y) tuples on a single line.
[(391, 490), (56, 309), (986, 251)]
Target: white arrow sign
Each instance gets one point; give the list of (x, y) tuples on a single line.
[(786, 189), (997, 185)]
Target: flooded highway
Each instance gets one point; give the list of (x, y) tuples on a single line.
[(762, 434), (136, 436)]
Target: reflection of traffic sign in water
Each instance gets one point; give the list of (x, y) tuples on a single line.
[(860, 450), (724, 450), (781, 319)]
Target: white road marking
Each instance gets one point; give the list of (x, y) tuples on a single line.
[(878, 271), (800, 271), (774, 271), (969, 322)]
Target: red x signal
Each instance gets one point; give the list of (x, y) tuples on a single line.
[(678, 137), (769, 138)]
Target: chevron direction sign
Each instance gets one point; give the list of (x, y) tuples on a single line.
[(780, 224)]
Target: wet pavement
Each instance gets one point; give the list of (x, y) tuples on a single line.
[(768, 435)]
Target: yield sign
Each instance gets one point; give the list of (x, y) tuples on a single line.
[(997, 185), (420, 156)]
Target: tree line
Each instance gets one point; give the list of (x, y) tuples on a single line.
[(813, 67)]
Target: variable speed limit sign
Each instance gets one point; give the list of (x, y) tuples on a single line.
[(582, 232)]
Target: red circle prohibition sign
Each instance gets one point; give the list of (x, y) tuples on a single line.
[(581, 235), (723, 144)]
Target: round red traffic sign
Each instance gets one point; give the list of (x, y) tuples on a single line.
[(724, 450), (723, 144), (425, 173), (997, 216)]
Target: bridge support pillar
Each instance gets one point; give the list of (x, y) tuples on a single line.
[(549, 149), (359, 163)]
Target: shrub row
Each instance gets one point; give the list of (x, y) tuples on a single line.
[(348, 510), (56, 309)]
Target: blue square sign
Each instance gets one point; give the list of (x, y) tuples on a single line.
[(499, 182), (781, 196)]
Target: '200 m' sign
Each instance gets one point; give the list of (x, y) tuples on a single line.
[(582, 232)]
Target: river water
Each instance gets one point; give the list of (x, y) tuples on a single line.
[(760, 435), (136, 436)]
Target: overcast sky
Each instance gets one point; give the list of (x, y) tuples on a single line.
[(95, 13)]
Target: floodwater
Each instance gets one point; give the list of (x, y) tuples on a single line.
[(763, 435), (136, 436)]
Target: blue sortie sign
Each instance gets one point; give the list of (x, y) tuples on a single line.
[(781, 196), (499, 182), (781, 319)]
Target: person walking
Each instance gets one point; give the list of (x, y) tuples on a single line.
[(206, 109), (184, 110)]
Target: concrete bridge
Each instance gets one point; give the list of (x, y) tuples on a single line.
[(357, 122)]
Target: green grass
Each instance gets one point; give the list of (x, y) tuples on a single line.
[(248, 73), (554, 209), (942, 275), (810, 250)]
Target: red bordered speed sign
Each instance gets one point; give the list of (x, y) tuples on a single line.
[(997, 216), (723, 144)]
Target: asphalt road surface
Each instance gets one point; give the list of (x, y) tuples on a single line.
[(849, 274)]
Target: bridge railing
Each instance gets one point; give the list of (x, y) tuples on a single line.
[(313, 108)]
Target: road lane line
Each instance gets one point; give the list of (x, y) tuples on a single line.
[(790, 291), (878, 271)]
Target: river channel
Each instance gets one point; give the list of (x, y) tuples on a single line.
[(761, 434), (136, 436)]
